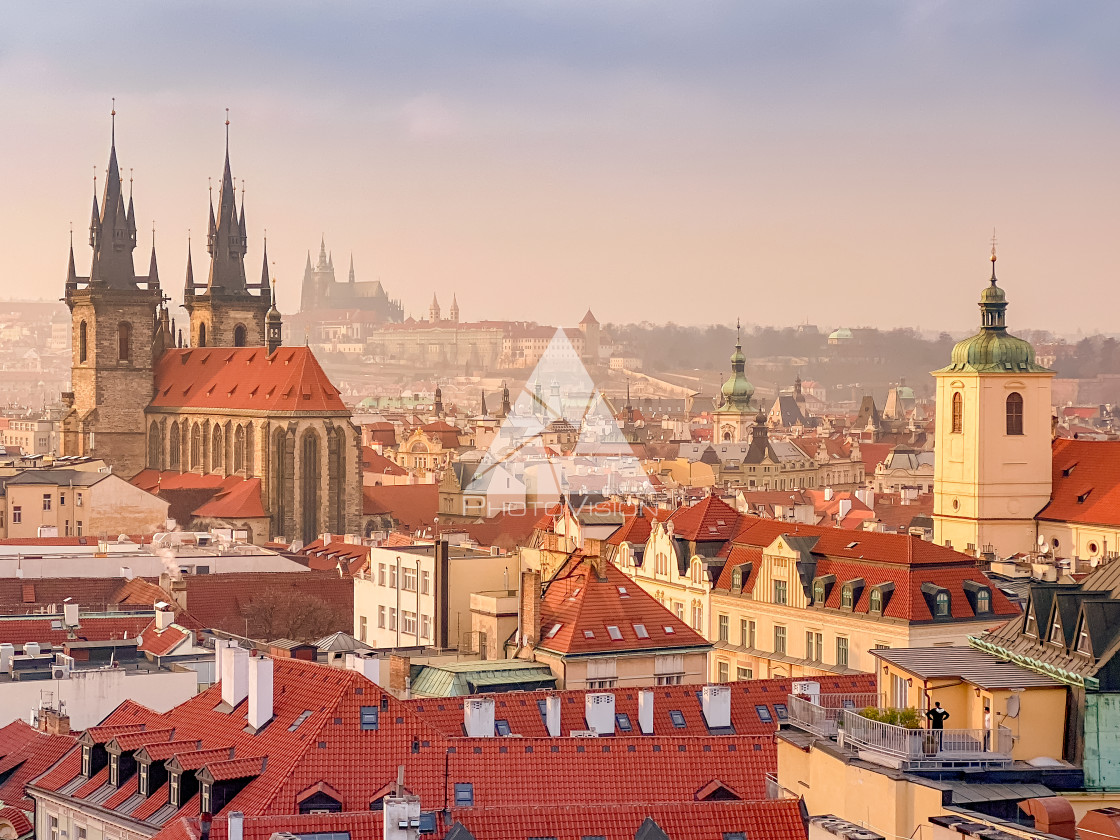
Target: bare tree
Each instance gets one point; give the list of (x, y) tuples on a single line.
[(284, 613)]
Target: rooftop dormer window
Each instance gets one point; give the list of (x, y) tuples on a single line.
[(942, 604), (875, 601), (846, 597), (1056, 636)]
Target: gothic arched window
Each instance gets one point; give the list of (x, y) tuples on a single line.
[(239, 449), (239, 335), (124, 341), (173, 455), (958, 412), (155, 445), (196, 446), (309, 486), (201, 335), (1015, 413), (217, 451), (83, 345), (249, 443)]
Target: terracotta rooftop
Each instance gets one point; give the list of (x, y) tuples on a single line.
[(1086, 482), (244, 378)]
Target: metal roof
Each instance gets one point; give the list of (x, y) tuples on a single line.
[(966, 663)]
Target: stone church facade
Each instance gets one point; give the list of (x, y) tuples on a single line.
[(255, 429)]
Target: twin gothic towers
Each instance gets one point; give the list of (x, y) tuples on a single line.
[(121, 325)]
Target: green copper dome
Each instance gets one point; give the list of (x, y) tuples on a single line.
[(737, 391), (994, 349)]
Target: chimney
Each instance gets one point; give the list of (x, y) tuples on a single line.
[(70, 614), (401, 812), (530, 629), (236, 825), (204, 821), (260, 691), (54, 722), (164, 616), (235, 675), (478, 717), (126, 572), (716, 701), (828, 494), (645, 711), (219, 646), (400, 671), (598, 709), (552, 714), (7, 651)]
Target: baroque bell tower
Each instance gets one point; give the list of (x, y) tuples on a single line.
[(992, 471), (119, 328), (226, 312)]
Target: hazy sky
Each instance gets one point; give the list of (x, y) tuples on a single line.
[(841, 163)]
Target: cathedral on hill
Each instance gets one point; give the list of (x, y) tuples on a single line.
[(231, 428), (322, 291)]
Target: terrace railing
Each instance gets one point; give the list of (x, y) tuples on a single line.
[(917, 747), (821, 717)]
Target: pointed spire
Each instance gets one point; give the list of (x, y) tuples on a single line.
[(993, 256), (71, 271), (351, 266), (112, 230), (322, 252), (308, 269), (264, 269), (483, 403), (153, 273), (227, 241), (188, 286)]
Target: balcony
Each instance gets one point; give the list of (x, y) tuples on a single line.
[(837, 716), (917, 749), (820, 717)]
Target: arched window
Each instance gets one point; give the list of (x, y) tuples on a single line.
[(173, 454), (155, 445), (249, 444), (737, 579), (958, 412), (239, 334), (875, 603), (818, 592), (201, 335), (942, 604), (196, 446), (1014, 413), (309, 486), (124, 341), (846, 597), (239, 449), (217, 451), (983, 601), (83, 343)]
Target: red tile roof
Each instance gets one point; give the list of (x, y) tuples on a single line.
[(375, 462), (25, 629), (414, 506), (24, 754), (1086, 482), (244, 378), (522, 711), (329, 555), (18, 595), (161, 642), (710, 520), (638, 526), (239, 499), (578, 608)]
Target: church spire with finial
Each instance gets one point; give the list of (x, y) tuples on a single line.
[(112, 232)]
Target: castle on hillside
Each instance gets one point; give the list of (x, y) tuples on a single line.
[(321, 291), (231, 428)]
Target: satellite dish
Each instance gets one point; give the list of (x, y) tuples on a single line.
[(1042, 540)]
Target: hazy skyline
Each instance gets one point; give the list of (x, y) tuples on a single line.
[(780, 162)]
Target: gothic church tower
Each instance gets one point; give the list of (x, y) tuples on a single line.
[(226, 312), (993, 438), (119, 329)]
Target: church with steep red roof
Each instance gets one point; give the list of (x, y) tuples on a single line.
[(236, 430)]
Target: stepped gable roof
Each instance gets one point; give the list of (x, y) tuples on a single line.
[(18, 631), (25, 753), (710, 520), (244, 379), (579, 608), (238, 499), (1086, 482), (522, 709), (414, 506)]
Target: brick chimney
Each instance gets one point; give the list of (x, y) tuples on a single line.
[(400, 669), (530, 629), (54, 722)]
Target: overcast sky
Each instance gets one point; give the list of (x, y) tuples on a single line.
[(837, 163)]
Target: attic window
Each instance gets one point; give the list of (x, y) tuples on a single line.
[(1083, 644), (677, 717), (464, 794), (1056, 637), (589, 634), (851, 545), (669, 629), (622, 593), (1031, 627), (712, 529), (623, 721), (552, 631), (1081, 497), (304, 715), (369, 717), (720, 522), (1069, 470), (763, 713), (614, 632), (640, 631), (502, 728)]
